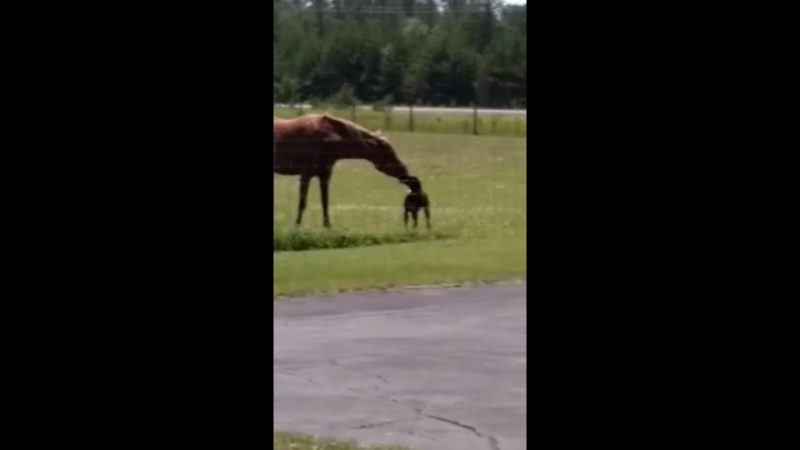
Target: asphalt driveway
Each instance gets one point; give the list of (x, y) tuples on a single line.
[(426, 368)]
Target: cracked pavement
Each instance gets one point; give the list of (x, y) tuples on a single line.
[(425, 368)]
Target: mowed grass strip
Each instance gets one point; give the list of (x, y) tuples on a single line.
[(295, 441), (424, 122), (477, 191), (392, 266)]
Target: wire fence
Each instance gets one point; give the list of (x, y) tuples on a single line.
[(415, 119)]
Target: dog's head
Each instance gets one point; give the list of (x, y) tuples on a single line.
[(413, 183)]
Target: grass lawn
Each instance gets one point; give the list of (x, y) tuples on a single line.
[(477, 191), (293, 441), (425, 122)]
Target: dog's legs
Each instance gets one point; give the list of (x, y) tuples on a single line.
[(414, 215)]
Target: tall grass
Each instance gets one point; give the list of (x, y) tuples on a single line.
[(299, 240)]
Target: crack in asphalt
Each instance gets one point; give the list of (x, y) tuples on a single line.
[(381, 424), (380, 377), (493, 442), (297, 375), (420, 411)]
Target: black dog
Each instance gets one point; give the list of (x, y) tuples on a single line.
[(416, 200)]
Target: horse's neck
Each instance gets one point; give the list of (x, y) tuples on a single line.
[(350, 151), (386, 161)]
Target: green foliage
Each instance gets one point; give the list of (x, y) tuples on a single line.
[(421, 51), (345, 97)]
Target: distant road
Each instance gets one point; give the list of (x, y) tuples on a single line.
[(433, 109)]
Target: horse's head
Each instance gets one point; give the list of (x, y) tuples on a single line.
[(382, 153), (378, 149), (413, 183)]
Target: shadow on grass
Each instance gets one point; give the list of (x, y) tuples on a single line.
[(299, 240)]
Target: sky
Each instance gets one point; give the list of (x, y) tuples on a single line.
[(517, 2)]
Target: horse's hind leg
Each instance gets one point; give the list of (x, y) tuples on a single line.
[(304, 182), (324, 183)]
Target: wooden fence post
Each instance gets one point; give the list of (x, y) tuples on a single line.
[(475, 119)]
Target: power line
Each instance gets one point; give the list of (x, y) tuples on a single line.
[(399, 9), (395, 12)]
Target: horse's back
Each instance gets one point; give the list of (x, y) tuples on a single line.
[(309, 126)]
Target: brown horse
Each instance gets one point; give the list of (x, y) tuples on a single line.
[(310, 145)]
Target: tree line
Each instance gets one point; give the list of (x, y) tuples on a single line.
[(424, 52)]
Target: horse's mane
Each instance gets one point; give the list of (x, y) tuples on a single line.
[(350, 130)]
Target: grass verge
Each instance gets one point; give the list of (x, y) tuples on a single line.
[(420, 263), (295, 441)]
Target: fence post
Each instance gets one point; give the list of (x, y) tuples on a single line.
[(475, 119), (411, 117)]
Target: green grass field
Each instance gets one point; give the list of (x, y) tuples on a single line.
[(477, 191), (424, 122), (296, 441)]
